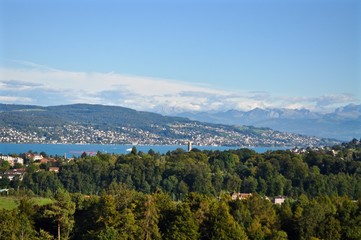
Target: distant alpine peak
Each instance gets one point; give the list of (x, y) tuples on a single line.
[(277, 112), (349, 108), (343, 123)]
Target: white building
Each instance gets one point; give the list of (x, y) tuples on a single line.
[(12, 173), (240, 196), (12, 160), (35, 157), (279, 199)]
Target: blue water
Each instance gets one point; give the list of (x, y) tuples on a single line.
[(77, 149)]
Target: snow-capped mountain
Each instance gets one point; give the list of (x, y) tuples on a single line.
[(344, 123)]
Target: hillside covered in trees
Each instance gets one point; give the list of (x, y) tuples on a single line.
[(186, 195)]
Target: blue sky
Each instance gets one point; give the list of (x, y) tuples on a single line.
[(168, 56)]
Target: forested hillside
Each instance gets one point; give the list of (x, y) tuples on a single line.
[(187, 195)]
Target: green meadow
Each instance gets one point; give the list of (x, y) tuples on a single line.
[(9, 203)]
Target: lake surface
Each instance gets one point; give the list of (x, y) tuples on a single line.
[(77, 149)]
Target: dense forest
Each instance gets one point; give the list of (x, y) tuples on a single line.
[(187, 195)]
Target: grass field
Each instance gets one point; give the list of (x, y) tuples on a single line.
[(9, 203)]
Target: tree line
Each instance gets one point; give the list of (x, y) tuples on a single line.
[(186, 195), (335, 171), (123, 213)]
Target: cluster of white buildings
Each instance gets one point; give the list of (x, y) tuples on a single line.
[(173, 134), (12, 160)]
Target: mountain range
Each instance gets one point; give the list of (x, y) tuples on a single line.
[(86, 123), (343, 124)]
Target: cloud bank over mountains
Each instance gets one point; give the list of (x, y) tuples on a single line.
[(40, 85)]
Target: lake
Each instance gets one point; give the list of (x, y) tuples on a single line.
[(77, 149)]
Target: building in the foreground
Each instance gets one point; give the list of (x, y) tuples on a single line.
[(54, 169), (34, 157), (12, 160), (240, 196), (279, 199), (13, 173)]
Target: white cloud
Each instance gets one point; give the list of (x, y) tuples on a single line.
[(9, 99), (328, 100), (41, 85)]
